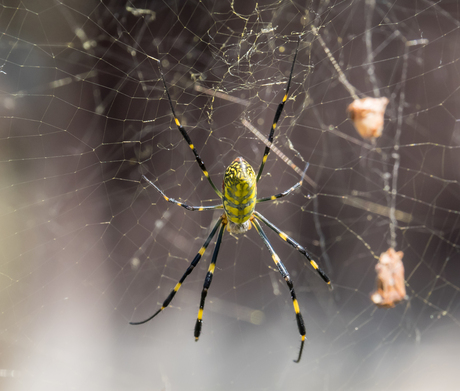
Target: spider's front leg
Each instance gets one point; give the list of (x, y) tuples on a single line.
[(187, 138)]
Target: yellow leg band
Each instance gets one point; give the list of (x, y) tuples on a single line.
[(296, 306)]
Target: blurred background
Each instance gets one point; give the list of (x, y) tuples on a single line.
[(86, 245)]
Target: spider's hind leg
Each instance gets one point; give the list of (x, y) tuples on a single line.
[(285, 274), (207, 282), (187, 272), (296, 245)]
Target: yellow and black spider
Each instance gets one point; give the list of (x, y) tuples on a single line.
[(239, 198)]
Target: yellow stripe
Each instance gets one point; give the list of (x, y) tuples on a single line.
[(296, 306), (177, 121), (274, 125), (314, 264), (276, 258), (231, 199), (205, 173), (283, 236), (166, 198), (176, 288), (200, 313), (202, 250), (303, 338), (248, 209), (264, 159), (212, 266), (235, 201), (285, 98), (252, 195), (191, 146), (232, 211)]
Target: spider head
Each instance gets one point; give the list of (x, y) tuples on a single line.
[(239, 191)]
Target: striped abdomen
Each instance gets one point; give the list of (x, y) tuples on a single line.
[(239, 194)]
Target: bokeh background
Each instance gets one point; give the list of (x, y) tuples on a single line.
[(86, 246)]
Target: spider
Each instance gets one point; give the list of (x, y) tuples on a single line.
[(239, 198)]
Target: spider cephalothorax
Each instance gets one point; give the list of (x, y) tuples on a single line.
[(239, 198)]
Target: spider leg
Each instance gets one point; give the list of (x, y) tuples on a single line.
[(279, 110), (207, 283), (188, 207), (187, 137), (294, 244), (187, 272), (287, 192), (285, 274)]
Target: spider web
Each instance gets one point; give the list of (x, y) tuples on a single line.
[(87, 246)]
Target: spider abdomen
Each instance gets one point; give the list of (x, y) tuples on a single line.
[(239, 194)]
